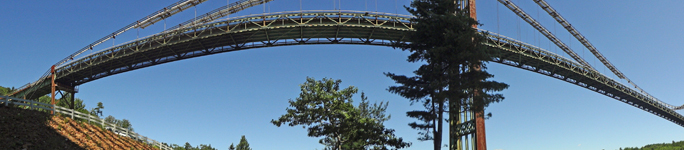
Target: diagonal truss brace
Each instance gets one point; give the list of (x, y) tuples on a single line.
[(142, 23), (221, 12), (544, 31), (579, 36), (593, 49)]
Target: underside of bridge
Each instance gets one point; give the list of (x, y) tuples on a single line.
[(324, 27)]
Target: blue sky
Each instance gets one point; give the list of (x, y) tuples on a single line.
[(216, 99)]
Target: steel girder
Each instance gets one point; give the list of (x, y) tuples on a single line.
[(254, 31), (322, 27), (465, 128), (521, 55)]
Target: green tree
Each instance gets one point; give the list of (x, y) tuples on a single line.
[(111, 119), (97, 111), (3, 91), (243, 145), (44, 99), (187, 146), (454, 73), (65, 101), (329, 112), (125, 124), (204, 147), (7, 90), (231, 147), (177, 147)]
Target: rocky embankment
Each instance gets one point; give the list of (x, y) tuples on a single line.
[(30, 129)]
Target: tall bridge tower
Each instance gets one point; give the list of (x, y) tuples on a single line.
[(466, 128)]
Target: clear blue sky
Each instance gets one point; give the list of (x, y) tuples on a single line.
[(216, 99)]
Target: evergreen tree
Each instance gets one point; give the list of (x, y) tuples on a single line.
[(243, 145), (125, 124), (204, 147), (97, 111), (231, 147), (454, 72), (111, 119), (329, 112), (188, 146)]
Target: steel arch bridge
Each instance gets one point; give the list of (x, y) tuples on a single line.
[(320, 27)]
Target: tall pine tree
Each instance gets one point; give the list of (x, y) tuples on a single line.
[(243, 145), (454, 72)]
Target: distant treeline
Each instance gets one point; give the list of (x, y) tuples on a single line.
[(661, 146)]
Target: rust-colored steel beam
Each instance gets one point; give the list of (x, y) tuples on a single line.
[(480, 136), (52, 87)]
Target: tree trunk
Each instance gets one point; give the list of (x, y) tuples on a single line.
[(338, 143), (438, 134)]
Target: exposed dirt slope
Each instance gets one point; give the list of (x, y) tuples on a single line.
[(29, 129)]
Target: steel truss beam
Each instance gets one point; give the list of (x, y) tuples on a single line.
[(544, 31), (593, 49), (221, 12), (142, 23), (521, 55), (235, 34), (297, 28)]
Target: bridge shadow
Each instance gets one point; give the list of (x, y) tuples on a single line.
[(29, 129)]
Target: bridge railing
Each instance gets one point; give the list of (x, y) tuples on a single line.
[(38, 106)]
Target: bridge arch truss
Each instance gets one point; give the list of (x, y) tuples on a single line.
[(321, 27)]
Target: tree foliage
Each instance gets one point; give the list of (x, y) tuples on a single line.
[(110, 119), (4, 91), (329, 112), (454, 70), (97, 111), (188, 146), (65, 101), (124, 123), (243, 145), (660, 146)]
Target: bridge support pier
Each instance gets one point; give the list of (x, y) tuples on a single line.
[(52, 87), (466, 128), (56, 86)]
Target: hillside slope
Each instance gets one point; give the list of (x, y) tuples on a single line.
[(29, 129)]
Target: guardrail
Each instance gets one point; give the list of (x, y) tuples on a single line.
[(33, 105)]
